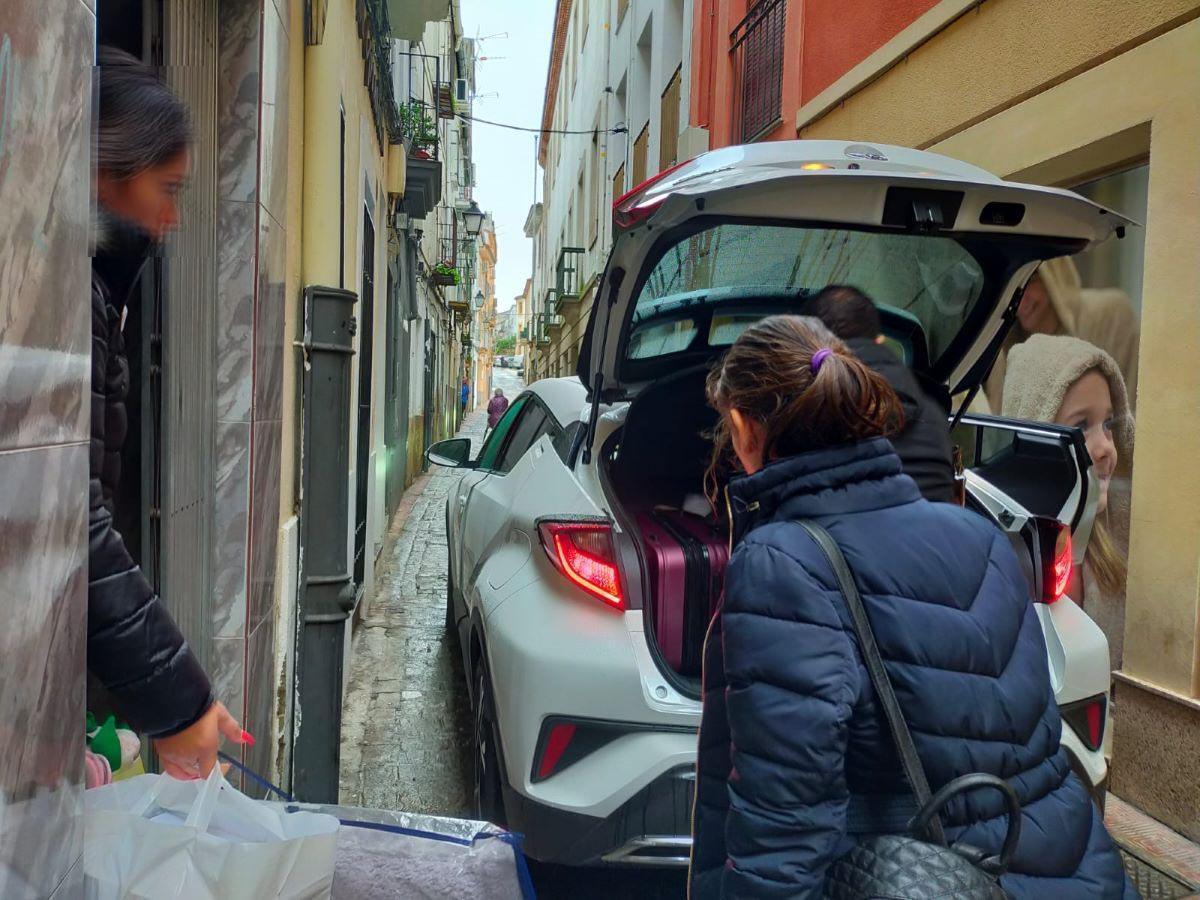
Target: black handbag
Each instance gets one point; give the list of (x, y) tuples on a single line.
[(918, 865)]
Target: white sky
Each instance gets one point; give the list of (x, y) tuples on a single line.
[(514, 68)]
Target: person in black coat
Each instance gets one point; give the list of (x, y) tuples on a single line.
[(795, 760), (923, 444), (134, 647)]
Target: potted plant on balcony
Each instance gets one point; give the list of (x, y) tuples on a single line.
[(446, 274), (417, 125)]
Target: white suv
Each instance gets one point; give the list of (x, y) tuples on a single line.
[(585, 730)]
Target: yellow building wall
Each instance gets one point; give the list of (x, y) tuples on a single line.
[(1056, 93)]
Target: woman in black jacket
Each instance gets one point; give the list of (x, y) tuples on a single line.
[(796, 763), (134, 648)]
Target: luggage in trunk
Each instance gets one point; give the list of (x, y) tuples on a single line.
[(686, 559)]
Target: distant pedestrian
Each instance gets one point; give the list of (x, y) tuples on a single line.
[(796, 764), (923, 443), (496, 407), (466, 395)]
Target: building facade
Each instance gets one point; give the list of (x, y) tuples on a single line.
[(614, 113), (523, 321), (484, 319), (1100, 98)]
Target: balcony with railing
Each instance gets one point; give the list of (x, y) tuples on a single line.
[(569, 281), (756, 46), (423, 98)]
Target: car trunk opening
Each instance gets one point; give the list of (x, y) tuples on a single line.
[(654, 468)]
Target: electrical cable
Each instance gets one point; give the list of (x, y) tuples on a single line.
[(616, 129)]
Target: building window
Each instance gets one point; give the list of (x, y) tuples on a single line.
[(641, 147), (622, 8), (618, 184), (668, 124), (756, 45)]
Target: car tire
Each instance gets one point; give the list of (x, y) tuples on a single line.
[(488, 776)]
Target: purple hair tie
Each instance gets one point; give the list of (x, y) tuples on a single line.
[(819, 357)]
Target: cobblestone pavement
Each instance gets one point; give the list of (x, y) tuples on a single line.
[(406, 724)]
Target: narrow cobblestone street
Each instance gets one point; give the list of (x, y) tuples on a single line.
[(406, 725), (406, 728)]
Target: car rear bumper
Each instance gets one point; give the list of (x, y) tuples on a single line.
[(653, 827)]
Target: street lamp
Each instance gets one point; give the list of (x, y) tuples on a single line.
[(473, 219), (479, 299)]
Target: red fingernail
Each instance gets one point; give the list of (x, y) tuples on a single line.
[(247, 738)]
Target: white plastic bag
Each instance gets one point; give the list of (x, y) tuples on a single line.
[(157, 838)]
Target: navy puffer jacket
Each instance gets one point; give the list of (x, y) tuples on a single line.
[(793, 747)]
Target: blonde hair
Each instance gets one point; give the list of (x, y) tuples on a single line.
[(1107, 564)]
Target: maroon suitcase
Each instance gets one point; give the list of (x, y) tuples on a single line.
[(686, 561)]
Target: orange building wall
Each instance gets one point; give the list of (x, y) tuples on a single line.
[(823, 40), (839, 34)]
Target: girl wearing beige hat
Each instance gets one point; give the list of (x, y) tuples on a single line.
[(1060, 379)]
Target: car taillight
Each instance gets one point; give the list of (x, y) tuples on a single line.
[(1086, 719), (1057, 561), (626, 212), (583, 552)]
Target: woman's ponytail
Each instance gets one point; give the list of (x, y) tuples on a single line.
[(803, 385)]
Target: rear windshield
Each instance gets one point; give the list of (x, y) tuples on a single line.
[(928, 281)]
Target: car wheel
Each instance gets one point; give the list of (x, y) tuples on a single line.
[(488, 780)]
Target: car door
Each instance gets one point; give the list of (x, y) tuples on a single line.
[(456, 504), (487, 504)]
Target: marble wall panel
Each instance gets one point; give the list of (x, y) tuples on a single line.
[(264, 520), (237, 98), (46, 52), (43, 555), (268, 319), (227, 671), (236, 243), (261, 700), (231, 529), (273, 136)]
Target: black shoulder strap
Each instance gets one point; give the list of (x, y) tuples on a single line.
[(879, 676)]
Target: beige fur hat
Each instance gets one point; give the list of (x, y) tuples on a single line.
[(1042, 369)]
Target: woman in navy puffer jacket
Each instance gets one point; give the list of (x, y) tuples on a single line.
[(795, 758)]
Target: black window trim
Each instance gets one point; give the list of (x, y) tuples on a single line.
[(530, 397)]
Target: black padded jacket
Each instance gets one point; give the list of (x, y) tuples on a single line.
[(134, 647)]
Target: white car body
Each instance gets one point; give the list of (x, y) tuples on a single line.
[(538, 649)]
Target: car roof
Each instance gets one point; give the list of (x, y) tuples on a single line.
[(565, 397)]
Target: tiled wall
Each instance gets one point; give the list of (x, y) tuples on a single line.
[(252, 240), (45, 69)]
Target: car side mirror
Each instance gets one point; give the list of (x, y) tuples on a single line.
[(454, 453)]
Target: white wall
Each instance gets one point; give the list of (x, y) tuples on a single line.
[(608, 57)]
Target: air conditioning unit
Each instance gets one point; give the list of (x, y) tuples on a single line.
[(460, 92)]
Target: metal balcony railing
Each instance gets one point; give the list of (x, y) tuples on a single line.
[(570, 273), (551, 301), (423, 98), (756, 45)]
